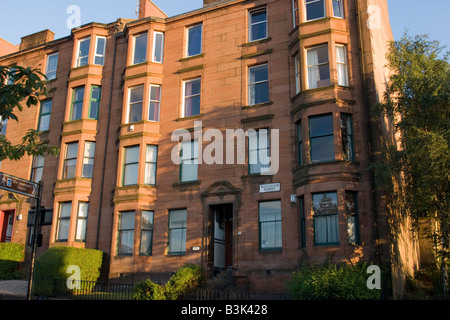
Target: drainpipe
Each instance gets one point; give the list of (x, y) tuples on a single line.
[(106, 140)]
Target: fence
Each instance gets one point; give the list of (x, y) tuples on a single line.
[(207, 294), (92, 290)]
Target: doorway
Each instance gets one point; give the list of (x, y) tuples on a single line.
[(6, 225), (221, 218)]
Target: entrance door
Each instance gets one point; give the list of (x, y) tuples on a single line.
[(222, 236), (6, 225)]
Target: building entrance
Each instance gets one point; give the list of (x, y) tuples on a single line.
[(221, 236), (6, 225)]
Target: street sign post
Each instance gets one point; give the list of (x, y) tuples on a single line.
[(29, 189)]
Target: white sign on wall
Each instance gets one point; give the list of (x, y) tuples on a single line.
[(271, 187)]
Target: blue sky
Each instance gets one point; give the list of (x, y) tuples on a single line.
[(418, 16)]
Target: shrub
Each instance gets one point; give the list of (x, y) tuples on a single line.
[(148, 290), (185, 279), (54, 262), (332, 282), (11, 254)]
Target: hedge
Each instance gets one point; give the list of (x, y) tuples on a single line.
[(11, 254), (332, 282), (185, 279), (54, 263)]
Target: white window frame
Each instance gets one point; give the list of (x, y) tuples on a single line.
[(252, 85), (52, 72), (78, 52), (87, 157), (314, 1), (250, 14), (155, 34), (188, 39), (189, 157), (82, 219), (133, 62), (183, 111), (344, 65), (297, 73), (341, 7), (308, 67), (135, 102), (150, 175), (125, 165), (96, 55), (155, 101)]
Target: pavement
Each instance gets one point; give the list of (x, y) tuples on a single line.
[(13, 289)]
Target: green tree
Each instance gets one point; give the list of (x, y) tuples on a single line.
[(21, 86), (417, 101)]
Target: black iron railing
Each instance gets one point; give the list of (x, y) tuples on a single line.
[(92, 290)]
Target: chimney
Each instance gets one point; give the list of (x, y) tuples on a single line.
[(36, 39), (149, 9)]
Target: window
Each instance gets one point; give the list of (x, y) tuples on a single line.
[(194, 40), (3, 126), (126, 232), (155, 102), (301, 204), (12, 74), (297, 73), (100, 48), (318, 67), (62, 233), (347, 137), (258, 84), (338, 9), (192, 90), (44, 116), (315, 9), (52, 64), (351, 208), (295, 16), (158, 47), (88, 159), (258, 25), (299, 143), (270, 225), (136, 99), (94, 102), (325, 216), (150, 165), (321, 138), (77, 103), (70, 160), (177, 231), (341, 61), (37, 168), (82, 216), (131, 166), (259, 148), (189, 161), (146, 233), (83, 52), (140, 48)]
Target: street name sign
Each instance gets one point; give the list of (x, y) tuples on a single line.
[(18, 185)]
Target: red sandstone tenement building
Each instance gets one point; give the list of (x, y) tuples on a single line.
[(310, 69)]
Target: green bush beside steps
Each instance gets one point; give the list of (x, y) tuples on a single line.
[(185, 279)]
